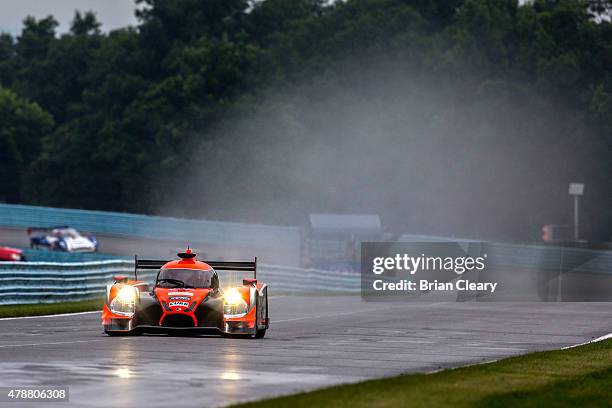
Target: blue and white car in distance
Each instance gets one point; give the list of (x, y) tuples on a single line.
[(63, 238)]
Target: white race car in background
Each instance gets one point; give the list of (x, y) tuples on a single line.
[(62, 239)]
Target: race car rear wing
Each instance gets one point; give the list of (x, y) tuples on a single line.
[(216, 265)]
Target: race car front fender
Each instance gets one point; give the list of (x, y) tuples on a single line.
[(256, 317)]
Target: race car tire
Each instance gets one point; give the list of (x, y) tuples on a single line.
[(122, 333), (260, 334), (116, 334)]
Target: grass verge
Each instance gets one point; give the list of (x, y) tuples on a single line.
[(576, 377), (50, 308)]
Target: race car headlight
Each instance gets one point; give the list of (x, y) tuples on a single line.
[(232, 297), (125, 301), (126, 294), (233, 303)]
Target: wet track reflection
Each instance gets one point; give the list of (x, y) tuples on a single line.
[(313, 342)]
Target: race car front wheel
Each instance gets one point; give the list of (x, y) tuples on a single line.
[(260, 333), (118, 333), (262, 319)]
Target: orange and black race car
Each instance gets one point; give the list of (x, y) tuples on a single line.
[(186, 297)]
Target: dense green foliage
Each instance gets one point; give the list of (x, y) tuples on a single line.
[(22, 125), (271, 110)]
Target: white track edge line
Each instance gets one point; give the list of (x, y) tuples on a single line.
[(50, 343), (50, 315), (598, 339)]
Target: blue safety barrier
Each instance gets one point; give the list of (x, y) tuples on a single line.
[(43, 255), (50, 282), (145, 226), (43, 282), (58, 276)]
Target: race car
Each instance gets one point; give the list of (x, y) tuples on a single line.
[(62, 239), (11, 254), (186, 298)]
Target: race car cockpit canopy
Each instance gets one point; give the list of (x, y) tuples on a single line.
[(187, 278), (187, 272), (63, 232)]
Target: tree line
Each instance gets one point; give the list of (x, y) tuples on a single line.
[(264, 111)]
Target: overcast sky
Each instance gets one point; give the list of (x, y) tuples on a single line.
[(111, 13)]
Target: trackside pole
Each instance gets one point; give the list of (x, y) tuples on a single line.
[(576, 190), (576, 223)]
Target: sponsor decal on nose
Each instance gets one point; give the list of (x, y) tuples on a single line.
[(180, 293), (179, 304)]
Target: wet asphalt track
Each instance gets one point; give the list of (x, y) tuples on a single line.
[(313, 342)]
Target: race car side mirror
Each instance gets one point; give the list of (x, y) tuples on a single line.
[(249, 282), (120, 278)]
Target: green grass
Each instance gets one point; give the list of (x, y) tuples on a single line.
[(50, 308), (577, 377)]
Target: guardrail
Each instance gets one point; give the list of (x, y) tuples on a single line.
[(45, 282), (145, 226), (297, 280), (49, 282), (45, 255), (564, 259), (534, 256)]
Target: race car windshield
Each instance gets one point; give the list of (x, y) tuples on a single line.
[(66, 233), (185, 278)]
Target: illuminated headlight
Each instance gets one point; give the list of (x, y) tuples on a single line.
[(125, 301), (127, 294), (233, 303), (232, 297), (16, 257)]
